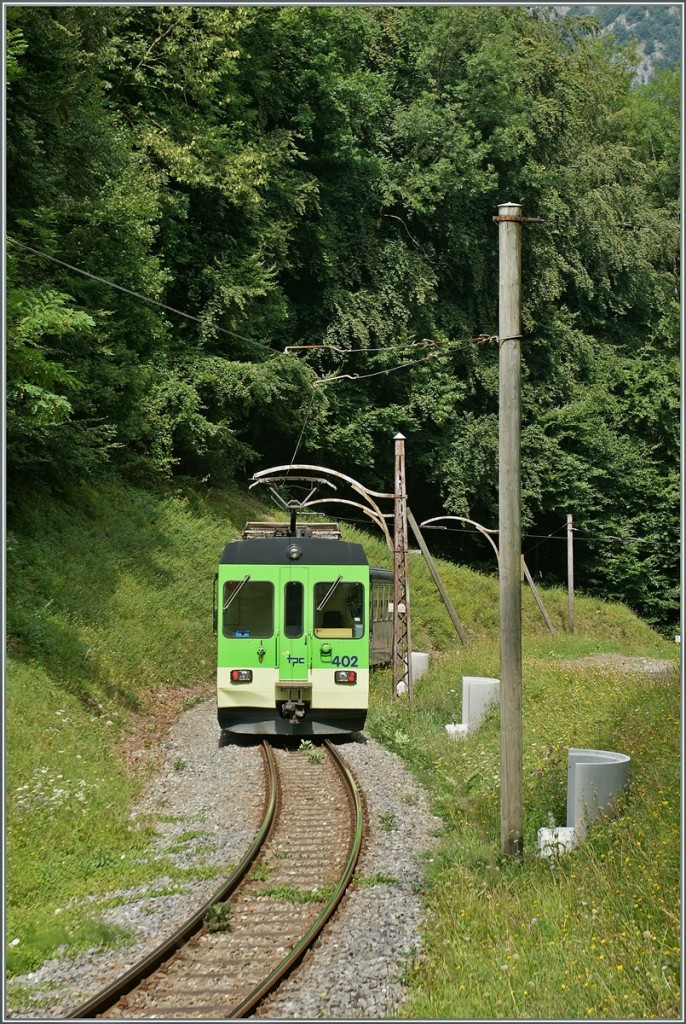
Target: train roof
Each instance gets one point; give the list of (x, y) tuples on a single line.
[(382, 574), (274, 551)]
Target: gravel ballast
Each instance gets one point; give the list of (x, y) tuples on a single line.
[(203, 800)]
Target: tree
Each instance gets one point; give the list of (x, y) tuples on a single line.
[(78, 192), (327, 176)]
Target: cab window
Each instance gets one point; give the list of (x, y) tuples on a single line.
[(248, 608), (293, 609), (339, 609)]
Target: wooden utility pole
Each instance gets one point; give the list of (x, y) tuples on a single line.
[(509, 471), (402, 643), (570, 573)]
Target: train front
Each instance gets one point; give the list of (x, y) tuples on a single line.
[(293, 636)]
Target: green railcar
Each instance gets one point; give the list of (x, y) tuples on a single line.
[(296, 618)]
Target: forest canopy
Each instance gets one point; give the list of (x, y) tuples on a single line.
[(191, 190)]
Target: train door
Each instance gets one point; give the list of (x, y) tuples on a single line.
[(294, 655)]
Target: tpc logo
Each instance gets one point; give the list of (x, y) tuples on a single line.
[(295, 661)]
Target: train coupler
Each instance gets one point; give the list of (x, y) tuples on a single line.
[(293, 710)]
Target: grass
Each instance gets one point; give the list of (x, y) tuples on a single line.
[(593, 934), (361, 881), (292, 894), (218, 918), (109, 604), (388, 821), (314, 754), (107, 600)]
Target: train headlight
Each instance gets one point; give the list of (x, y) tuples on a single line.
[(345, 677), (294, 552), (241, 675)]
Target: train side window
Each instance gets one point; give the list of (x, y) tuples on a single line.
[(339, 610), (293, 605), (248, 608)]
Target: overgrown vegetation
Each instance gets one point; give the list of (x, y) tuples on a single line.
[(218, 918), (314, 754), (593, 934), (124, 572), (108, 610), (293, 894), (327, 176)]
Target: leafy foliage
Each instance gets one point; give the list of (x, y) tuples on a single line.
[(327, 176)]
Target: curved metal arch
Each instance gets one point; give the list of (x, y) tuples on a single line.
[(479, 527), (364, 492), (323, 469), (356, 504)]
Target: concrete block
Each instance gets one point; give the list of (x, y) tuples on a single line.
[(552, 842), (456, 730), (420, 665), (478, 694)]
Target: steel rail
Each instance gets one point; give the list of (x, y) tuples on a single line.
[(107, 998), (263, 989)]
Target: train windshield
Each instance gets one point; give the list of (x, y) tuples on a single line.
[(248, 608), (342, 613)]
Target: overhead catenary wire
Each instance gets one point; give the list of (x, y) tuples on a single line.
[(143, 298), (477, 533), (587, 537), (541, 539), (262, 346), (461, 346), (326, 347), (305, 422), (376, 373)]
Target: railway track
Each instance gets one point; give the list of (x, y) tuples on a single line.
[(236, 948)]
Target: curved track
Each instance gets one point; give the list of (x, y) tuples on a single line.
[(277, 900)]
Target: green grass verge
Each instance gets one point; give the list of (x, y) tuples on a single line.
[(593, 934), (107, 599)]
